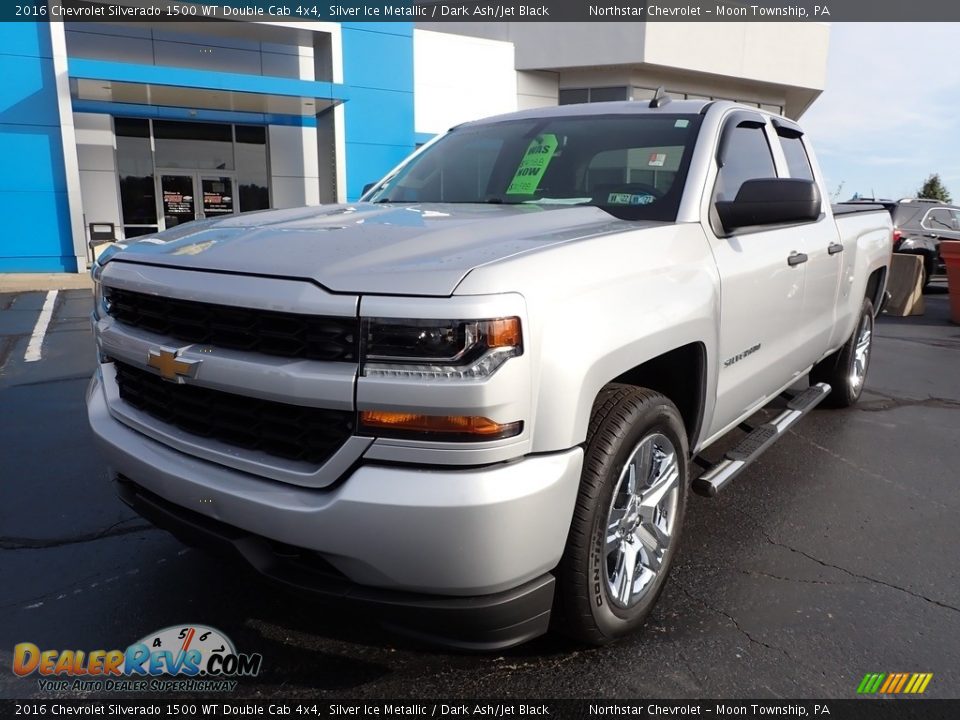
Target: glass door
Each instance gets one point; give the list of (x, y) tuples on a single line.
[(178, 199), (187, 196), (218, 195)]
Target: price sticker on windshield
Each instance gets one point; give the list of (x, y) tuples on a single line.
[(534, 164)]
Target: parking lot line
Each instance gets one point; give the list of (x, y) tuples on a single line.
[(35, 345)]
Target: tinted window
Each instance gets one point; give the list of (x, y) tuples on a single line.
[(797, 161), (251, 154), (906, 215), (573, 97), (746, 157), (608, 94), (207, 146), (633, 166), (135, 170)]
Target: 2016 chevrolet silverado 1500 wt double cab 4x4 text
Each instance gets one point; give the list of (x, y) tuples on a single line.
[(473, 400)]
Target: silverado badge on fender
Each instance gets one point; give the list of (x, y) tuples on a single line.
[(740, 356)]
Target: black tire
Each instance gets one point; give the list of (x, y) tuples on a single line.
[(624, 418), (838, 369), (929, 268)]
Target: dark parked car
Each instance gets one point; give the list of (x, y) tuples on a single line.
[(919, 225)]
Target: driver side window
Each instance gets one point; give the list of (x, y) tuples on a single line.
[(746, 156)]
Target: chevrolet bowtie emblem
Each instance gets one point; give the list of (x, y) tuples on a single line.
[(170, 366)]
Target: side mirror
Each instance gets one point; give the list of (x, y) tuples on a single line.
[(770, 201)]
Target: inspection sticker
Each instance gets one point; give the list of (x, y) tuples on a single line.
[(657, 159), (537, 157)]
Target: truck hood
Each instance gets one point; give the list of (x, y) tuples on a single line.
[(424, 249)]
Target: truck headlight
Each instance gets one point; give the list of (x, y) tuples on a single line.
[(439, 349), (101, 304)]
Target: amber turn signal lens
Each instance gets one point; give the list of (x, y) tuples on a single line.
[(503, 332), (441, 427)]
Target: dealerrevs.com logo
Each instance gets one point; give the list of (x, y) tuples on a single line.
[(180, 658)]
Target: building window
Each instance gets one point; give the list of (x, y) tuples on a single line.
[(194, 145), (252, 181), (204, 170), (574, 96), (138, 200)]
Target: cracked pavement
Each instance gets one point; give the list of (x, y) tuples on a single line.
[(834, 555)]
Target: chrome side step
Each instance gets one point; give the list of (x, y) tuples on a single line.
[(760, 438)]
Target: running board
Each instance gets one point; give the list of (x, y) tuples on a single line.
[(760, 438)]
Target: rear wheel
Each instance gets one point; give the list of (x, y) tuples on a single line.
[(846, 369), (628, 516), (929, 268)]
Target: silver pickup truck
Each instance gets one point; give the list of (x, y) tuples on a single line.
[(475, 401)]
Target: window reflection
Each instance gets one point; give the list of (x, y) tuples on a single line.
[(252, 181), (202, 146), (135, 169)]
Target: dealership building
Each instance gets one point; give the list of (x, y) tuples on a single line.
[(115, 130)]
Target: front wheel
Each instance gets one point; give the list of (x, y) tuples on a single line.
[(628, 516), (846, 369)]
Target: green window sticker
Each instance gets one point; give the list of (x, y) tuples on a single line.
[(534, 164)]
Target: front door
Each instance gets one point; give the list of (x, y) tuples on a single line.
[(187, 196), (761, 292)]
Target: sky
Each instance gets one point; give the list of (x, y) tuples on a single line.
[(890, 113)]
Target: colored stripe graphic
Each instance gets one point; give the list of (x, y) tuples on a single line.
[(894, 683)]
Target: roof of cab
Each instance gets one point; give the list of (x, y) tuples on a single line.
[(623, 107)]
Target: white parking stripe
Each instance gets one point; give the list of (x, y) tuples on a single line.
[(40, 329)]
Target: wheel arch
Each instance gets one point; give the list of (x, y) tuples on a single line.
[(679, 374), (876, 285)]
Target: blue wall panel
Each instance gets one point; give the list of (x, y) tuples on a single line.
[(15, 39), (33, 199), (378, 70)]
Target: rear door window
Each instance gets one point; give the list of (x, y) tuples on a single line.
[(798, 163)]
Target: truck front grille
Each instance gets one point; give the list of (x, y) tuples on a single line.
[(289, 431), (309, 337)]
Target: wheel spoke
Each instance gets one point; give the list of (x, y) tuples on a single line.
[(644, 464), (631, 488), (658, 533), (669, 475), (624, 574), (646, 538), (613, 529)]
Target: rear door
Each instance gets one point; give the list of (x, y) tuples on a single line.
[(761, 304), (823, 248)]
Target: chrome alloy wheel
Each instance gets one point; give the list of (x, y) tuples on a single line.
[(641, 519), (861, 353)]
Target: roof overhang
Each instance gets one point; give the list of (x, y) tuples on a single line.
[(156, 85)]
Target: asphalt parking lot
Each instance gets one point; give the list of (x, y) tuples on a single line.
[(833, 556)]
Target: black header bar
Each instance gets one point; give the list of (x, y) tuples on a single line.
[(862, 709), (482, 10)]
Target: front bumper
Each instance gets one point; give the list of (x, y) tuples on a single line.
[(445, 532), (487, 622)]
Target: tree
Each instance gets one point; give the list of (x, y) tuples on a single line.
[(933, 189)]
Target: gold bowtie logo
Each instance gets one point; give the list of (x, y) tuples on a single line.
[(170, 366)]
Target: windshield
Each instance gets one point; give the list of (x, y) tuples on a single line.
[(632, 166)]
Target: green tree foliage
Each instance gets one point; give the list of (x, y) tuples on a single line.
[(934, 189)]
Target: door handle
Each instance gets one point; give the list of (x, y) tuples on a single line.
[(797, 259), (834, 248)]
